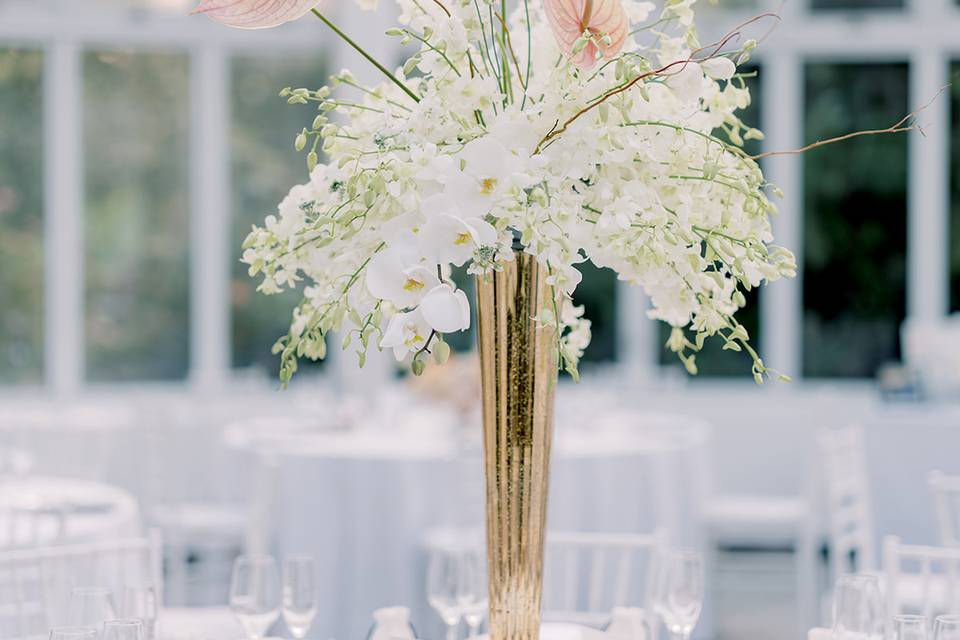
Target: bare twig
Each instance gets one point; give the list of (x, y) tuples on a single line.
[(901, 126), (714, 48)]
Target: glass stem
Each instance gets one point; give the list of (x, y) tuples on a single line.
[(451, 632), (366, 55)]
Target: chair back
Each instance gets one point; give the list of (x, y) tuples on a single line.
[(588, 574), (35, 584), (846, 495), (920, 579), (946, 502)]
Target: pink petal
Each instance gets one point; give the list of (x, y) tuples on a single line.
[(254, 14)]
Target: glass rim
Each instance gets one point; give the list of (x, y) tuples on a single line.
[(124, 622), (90, 591), (260, 558), (858, 577), (909, 617), (74, 630)]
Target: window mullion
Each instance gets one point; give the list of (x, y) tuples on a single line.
[(928, 196), (63, 217), (210, 220), (783, 117)]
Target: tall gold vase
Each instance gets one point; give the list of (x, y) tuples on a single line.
[(518, 363)]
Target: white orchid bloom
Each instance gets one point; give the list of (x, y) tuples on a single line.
[(406, 333), (448, 237), (445, 309), (388, 279), (486, 177)]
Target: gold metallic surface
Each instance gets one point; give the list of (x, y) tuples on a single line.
[(518, 364)]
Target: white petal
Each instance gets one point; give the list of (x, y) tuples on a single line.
[(385, 275), (443, 309), (483, 232), (719, 68)]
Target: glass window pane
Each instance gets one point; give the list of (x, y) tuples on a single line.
[(265, 166), (855, 193), (856, 4), (955, 189), (21, 216), (713, 360), (136, 129), (597, 292)]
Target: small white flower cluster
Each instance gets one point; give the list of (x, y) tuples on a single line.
[(490, 132)]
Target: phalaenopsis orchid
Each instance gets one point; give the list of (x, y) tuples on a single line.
[(588, 129)]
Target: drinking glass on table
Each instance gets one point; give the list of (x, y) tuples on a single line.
[(299, 594), (90, 607), (857, 608), (73, 633), (141, 603), (255, 593), (124, 629), (678, 591), (443, 587), (907, 627), (946, 628), (472, 595)]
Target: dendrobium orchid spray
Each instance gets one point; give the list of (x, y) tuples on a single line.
[(548, 120)]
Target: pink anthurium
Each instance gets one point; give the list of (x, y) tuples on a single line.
[(254, 14), (569, 19)]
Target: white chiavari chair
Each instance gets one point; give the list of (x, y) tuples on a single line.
[(26, 528), (846, 496), (921, 579), (946, 502), (35, 584), (586, 575)]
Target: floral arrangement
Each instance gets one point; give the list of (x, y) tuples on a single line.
[(583, 129)]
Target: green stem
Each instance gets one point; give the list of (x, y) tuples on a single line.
[(366, 55)]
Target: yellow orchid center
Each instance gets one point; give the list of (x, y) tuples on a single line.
[(487, 185), (412, 285), (462, 238)]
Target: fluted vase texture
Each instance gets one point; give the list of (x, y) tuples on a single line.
[(518, 363)]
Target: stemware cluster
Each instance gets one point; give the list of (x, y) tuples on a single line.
[(257, 596), (859, 614), (456, 587), (93, 614)]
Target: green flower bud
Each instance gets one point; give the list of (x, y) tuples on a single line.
[(311, 160), (300, 142), (441, 352), (417, 367)]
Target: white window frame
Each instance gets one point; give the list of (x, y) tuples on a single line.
[(923, 35)]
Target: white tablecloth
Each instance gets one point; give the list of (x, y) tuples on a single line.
[(362, 503), (64, 510)]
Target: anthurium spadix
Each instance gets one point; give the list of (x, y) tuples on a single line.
[(254, 14)]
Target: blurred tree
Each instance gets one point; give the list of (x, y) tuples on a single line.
[(136, 136), (21, 216), (854, 273), (264, 167)]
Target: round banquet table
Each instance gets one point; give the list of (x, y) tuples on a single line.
[(46, 510), (363, 501)]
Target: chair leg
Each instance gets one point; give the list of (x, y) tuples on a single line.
[(805, 563)]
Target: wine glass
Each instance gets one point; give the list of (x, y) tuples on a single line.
[(90, 607), (124, 629), (141, 603), (857, 608), (443, 584), (255, 593), (299, 594), (472, 594), (946, 628), (907, 627), (73, 633), (678, 591)]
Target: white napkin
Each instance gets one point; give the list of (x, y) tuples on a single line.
[(820, 634), (627, 623), (392, 623)]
